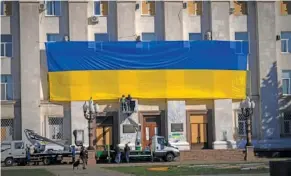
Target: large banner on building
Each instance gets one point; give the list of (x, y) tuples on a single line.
[(159, 69)]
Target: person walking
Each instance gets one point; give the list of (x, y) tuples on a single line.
[(117, 154), (73, 153), (27, 154), (83, 156), (127, 151)]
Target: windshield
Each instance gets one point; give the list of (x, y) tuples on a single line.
[(5, 146)]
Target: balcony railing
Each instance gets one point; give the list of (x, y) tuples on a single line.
[(7, 92)]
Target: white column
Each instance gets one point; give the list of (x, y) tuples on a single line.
[(29, 67), (268, 71), (223, 125), (177, 114), (78, 121), (223, 114)]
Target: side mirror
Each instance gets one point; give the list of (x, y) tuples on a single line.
[(166, 143)]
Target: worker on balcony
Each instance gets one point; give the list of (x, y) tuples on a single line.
[(129, 104), (123, 104)]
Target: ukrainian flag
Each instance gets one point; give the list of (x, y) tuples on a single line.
[(162, 69)]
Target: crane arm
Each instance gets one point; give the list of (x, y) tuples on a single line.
[(34, 137)]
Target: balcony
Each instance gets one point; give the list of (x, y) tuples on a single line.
[(7, 92)]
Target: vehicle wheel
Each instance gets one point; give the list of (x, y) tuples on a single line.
[(9, 162), (46, 161), (169, 157)]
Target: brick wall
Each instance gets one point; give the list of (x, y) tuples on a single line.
[(213, 155)]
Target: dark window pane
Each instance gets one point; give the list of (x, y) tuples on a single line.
[(2, 8), (54, 37), (97, 10), (8, 49), (101, 37), (151, 119), (6, 38), (49, 7), (148, 37), (57, 8), (287, 127), (2, 49), (285, 86), (241, 36), (284, 46), (195, 36)]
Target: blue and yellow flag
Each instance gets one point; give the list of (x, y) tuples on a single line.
[(160, 69)]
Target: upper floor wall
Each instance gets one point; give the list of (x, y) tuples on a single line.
[(126, 20)]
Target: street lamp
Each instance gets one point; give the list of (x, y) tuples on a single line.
[(89, 114), (247, 109)]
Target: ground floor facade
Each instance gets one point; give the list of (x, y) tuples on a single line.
[(187, 124)]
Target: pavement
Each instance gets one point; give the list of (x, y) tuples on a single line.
[(66, 170)]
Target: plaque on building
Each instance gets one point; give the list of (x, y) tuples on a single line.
[(177, 127), (128, 128)]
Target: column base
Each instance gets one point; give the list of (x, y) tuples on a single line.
[(181, 145), (249, 155), (91, 157), (224, 145)]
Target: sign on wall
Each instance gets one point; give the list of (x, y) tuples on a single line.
[(177, 127), (128, 128)]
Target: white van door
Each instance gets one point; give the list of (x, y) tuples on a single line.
[(19, 150)]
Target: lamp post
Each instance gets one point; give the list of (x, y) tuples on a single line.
[(247, 108), (89, 114)]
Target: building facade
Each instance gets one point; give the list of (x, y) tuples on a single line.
[(191, 123)]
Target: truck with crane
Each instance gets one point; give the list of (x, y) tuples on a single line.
[(49, 152), (159, 149), (21, 152)]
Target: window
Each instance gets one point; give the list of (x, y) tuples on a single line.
[(242, 125), (285, 7), (286, 42), (194, 8), (55, 128), (6, 129), (18, 145), (100, 8), (6, 8), (54, 37), (5, 146), (195, 36), (148, 8), (241, 36), (6, 87), (287, 123), (53, 8), (240, 8), (6, 45), (101, 37), (286, 76), (148, 37)]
